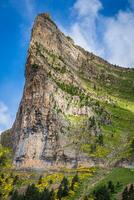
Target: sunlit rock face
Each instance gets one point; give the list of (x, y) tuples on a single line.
[(58, 114), (41, 135)]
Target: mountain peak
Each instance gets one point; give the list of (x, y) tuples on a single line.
[(44, 17), (71, 104)]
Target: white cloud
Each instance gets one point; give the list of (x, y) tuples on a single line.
[(83, 30), (87, 8), (5, 118), (119, 39), (109, 37)]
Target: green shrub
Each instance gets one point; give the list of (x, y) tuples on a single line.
[(102, 193)]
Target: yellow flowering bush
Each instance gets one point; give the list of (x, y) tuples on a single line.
[(101, 152), (46, 181), (5, 157), (6, 185), (71, 193)]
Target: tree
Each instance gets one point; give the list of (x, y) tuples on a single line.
[(2, 176), (63, 188), (74, 180), (131, 192), (100, 140), (15, 195), (92, 121), (125, 194), (59, 193), (102, 193), (45, 195), (15, 180), (40, 179), (131, 189), (32, 193), (93, 148), (118, 185), (65, 184), (86, 198), (94, 86), (111, 186), (50, 181), (132, 145), (52, 195)]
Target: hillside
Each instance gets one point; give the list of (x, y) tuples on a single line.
[(77, 109)]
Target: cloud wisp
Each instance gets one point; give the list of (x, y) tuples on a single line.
[(109, 37), (5, 118), (84, 29)]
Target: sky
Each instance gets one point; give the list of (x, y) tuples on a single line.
[(104, 27)]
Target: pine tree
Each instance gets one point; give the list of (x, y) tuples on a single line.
[(40, 179), (59, 193), (15, 195), (52, 195), (74, 180), (118, 185), (85, 198), (131, 189), (50, 182), (32, 193), (102, 193), (2, 176), (100, 140), (131, 192), (111, 186), (132, 145), (63, 188), (65, 184), (125, 194), (15, 180), (45, 195), (92, 121), (93, 148)]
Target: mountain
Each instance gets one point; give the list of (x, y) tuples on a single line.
[(77, 109)]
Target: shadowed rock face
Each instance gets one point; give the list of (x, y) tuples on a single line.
[(56, 108)]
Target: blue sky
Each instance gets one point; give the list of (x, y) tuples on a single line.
[(105, 27)]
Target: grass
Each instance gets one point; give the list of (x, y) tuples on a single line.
[(117, 98), (76, 119), (121, 131), (88, 183), (124, 176)]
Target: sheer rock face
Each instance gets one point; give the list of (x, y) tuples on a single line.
[(44, 133)]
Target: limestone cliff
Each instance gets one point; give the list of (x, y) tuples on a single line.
[(63, 115)]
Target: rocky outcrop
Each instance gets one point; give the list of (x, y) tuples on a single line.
[(40, 132), (6, 139), (58, 114)]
